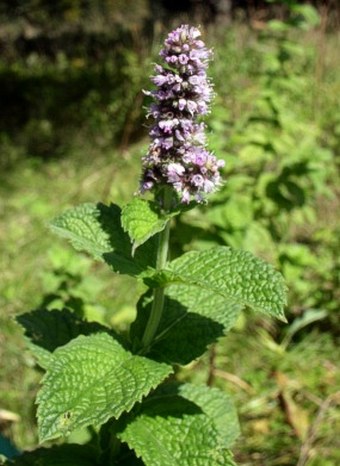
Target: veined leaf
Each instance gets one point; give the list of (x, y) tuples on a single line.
[(96, 229), (172, 430), (205, 292), (218, 406), (215, 403), (235, 275), (90, 380), (47, 330), (192, 319), (142, 219)]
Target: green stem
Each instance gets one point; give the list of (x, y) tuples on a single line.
[(158, 296)]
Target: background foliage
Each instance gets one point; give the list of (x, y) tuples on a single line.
[(71, 130)]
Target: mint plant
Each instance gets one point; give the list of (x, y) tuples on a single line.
[(123, 388)]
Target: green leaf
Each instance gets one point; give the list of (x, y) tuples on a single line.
[(236, 275), (60, 455), (310, 16), (218, 406), (142, 219), (171, 430), (96, 229), (208, 290), (47, 330), (188, 324), (90, 380)]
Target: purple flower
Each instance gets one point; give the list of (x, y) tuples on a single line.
[(175, 171), (177, 155), (197, 180)]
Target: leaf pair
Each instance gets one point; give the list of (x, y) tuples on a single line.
[(97, 229), (205, 290), (235, 275), (93, 378)]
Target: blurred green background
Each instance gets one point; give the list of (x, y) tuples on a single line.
[(72, 130)]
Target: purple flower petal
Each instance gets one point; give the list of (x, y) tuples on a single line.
[(177, 155)]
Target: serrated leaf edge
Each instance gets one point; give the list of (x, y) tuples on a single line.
[(157, 227), (175, 277), (44, 438)]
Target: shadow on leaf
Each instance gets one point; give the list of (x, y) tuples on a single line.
[(182, 336)]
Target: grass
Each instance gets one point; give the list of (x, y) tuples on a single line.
[(286, 396), (287, 399), (33, 194)]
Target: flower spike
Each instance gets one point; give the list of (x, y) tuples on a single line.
[(177, 155)]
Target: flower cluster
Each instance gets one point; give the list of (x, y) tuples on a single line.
[(177, 155)]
